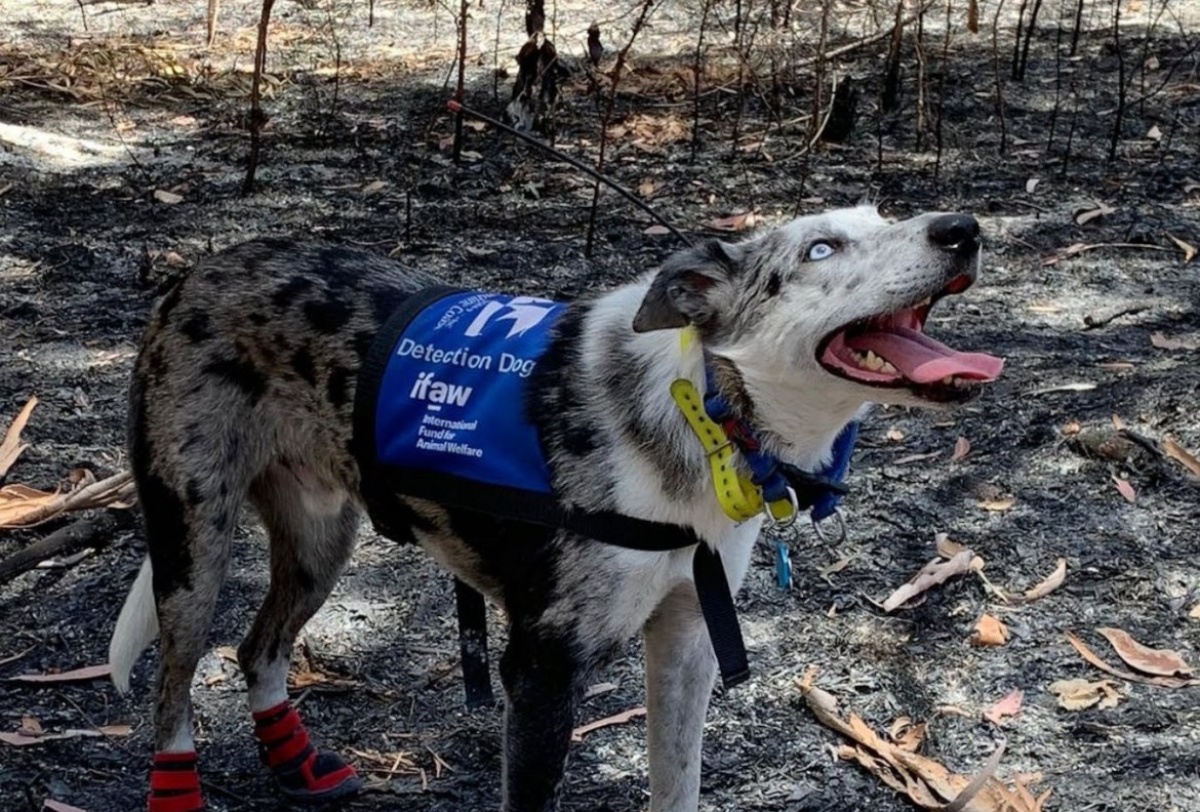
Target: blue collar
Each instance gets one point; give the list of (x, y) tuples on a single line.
[(819, 492)]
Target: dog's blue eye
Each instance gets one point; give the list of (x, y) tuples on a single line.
[(819, 251)]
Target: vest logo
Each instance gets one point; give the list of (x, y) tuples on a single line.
[(525, 313), (436, 393)]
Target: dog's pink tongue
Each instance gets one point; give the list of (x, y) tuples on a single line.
[(920, 359)]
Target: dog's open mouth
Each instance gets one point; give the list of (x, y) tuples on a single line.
[(892, 350)]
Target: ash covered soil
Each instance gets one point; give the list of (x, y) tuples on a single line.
[(85, 243)]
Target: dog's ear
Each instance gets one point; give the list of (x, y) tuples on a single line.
[(681, 292)]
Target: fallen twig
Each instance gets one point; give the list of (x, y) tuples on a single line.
[(1079, 248), (1092, 322), (616, 719), (92, 532), (116, 488)]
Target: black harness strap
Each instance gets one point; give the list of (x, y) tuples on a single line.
[(720, 616), (383, 487), (472, 644)]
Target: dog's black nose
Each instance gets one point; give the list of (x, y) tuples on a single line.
[(955, 232)]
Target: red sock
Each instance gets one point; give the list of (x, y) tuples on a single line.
[(174, 784), (302, 770)]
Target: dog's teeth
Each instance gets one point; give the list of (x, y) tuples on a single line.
[(928, 300), (888, 368), (948, 380), (872, 361)]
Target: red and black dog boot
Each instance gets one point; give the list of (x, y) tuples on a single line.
[(304, 773), (174, 784)]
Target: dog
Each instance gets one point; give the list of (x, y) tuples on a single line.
[(244, 390)]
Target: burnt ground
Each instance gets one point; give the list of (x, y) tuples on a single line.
[(84, 244)]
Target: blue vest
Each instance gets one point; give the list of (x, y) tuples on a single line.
[(452, 397), (440, 409)]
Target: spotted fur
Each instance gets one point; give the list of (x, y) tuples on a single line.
[(243, 392)]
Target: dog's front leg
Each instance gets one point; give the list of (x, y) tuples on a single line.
[(680, 671), (542, 677)]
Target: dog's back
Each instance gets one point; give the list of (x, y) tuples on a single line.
[(243, 388)]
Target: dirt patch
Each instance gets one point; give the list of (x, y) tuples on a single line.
[(85, 243)]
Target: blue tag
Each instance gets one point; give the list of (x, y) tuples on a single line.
[(783, 565), (452, 399)]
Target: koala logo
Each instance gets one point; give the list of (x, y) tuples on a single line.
[(525, 313)]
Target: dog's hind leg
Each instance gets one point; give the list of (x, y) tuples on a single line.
[(191, 508), (312, 529), (680, 670)]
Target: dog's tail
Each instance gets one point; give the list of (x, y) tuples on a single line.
[(137, 626)]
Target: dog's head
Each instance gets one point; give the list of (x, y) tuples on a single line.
[(835, 301)]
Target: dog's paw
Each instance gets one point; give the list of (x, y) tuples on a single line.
[(304, 773), (174, 784)]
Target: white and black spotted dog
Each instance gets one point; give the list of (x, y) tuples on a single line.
[(245, 390)]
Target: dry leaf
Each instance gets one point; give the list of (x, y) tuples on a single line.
[(894, 435), (1053, 582), (169, 198), (23, 739), (90, 672), (616, 719), (1084, 216), (946, 547), (736, 222), (907, 735), (1091, 657), (1032, 184), (911, 458), (30, 727), (932, 574), (1181, 455), (1125, 489), (1195, 613), (998, 505), (656, 230), (1189, 250), (647, 188), (989, 631), (1080, 694), (23, 506), (962, 447), (374, 186), (12, 447), (1046, 309), (59, 806), (1165, 342), (1154, 133), (1079, 386), (1158, 662), (599, 689), (115, 730), (926, 782), (1008, 706), (1072, 428)]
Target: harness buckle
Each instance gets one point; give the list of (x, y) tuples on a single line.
[(841, 527)]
